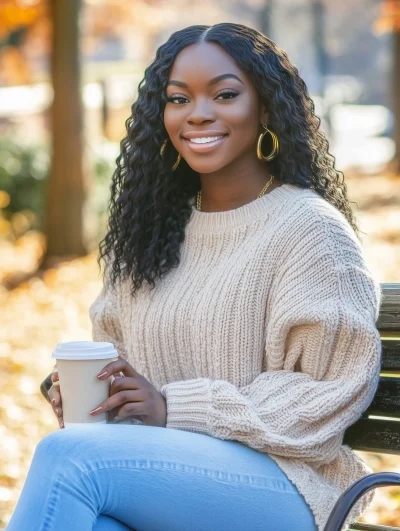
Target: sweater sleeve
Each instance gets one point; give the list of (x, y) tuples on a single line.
[(322, 355), (104, 314)]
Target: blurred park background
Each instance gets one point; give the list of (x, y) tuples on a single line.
[(69, 71)]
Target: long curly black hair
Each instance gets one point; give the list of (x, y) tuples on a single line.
[(150, 204)]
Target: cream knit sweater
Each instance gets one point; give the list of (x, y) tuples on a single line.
[(264, 334)]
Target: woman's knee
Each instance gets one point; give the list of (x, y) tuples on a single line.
[(65, 444), (106, 523), (50, 441)]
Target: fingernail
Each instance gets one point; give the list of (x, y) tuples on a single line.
[(102, 374), (94, 410), (53, 401)]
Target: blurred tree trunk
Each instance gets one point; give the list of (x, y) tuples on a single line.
[(318, 13), (266, 18), (66, 185), (318, 20), (396, 92), (389, 20)]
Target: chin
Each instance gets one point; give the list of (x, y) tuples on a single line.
[(209, 166)]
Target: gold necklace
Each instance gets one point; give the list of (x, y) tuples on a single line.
[(259, 195)]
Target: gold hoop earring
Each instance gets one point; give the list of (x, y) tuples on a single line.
[(177, 160), (275, 145)]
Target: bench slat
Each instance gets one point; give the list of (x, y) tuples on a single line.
[(371, 527), (389, 315), (390, 355), (386, 402), (374, 435)]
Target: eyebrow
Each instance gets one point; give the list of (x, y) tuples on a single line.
[(213, 81)]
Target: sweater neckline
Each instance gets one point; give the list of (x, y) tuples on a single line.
[(248, 213)]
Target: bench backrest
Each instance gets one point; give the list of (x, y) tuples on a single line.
[(378, 429)]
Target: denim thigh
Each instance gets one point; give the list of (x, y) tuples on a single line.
[(149, 478)]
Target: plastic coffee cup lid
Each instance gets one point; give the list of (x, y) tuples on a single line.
[(84, 350)]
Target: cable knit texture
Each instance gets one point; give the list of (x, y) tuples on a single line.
[(265, 334)]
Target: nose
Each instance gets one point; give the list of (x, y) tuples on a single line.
[(201, 112)]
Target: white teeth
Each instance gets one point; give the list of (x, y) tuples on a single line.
[(204, 140)]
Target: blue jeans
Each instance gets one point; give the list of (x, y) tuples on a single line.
[(122, 477)]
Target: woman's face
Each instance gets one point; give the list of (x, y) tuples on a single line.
[(198, 105)]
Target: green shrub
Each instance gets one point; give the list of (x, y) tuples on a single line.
[(24, 169), (23, 175)]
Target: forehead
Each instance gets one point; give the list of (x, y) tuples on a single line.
[(198, 63)]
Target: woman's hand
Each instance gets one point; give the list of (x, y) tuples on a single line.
[(55, 397), (132, 395)]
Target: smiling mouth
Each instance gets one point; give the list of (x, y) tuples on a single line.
[(205, 146)]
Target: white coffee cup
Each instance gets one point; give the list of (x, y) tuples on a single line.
[(78, 364)]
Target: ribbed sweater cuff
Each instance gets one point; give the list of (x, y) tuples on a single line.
[(188, 403)]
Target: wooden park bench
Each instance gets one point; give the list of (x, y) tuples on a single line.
[(378, 429)]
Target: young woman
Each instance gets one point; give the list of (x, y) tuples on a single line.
[(237, 294)]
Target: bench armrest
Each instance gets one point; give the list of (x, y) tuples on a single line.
[(354, 492)]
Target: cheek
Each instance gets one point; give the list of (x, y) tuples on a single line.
[(172, 121), (243, 117), (243, 126)]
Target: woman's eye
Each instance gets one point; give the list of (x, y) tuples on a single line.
[(226, 93), (175, 98)]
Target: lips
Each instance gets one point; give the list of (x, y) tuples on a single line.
[(208, 146), (203, 134)]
